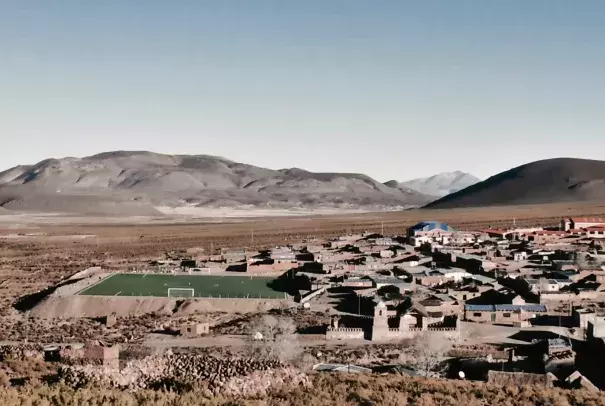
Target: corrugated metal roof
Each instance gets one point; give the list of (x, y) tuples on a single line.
[(537, 308), (444, 296), (483, 279), (431, 225), (526, 307), (479, 308)]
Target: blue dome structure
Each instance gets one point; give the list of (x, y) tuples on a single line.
[(424, 226)]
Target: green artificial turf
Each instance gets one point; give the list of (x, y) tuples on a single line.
[(237, 286)]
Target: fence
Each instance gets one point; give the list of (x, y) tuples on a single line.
[(280, 296)]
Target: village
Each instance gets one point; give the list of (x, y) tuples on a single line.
[(544, 283), (506, 306)]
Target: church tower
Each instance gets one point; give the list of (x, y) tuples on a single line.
[(380, 326)]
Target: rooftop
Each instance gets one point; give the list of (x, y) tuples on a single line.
[(504, 308), (430, 226), (588, 220)]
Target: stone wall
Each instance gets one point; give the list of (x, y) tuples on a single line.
[(390, 334), (97, 354), (572, 297), (395, 334), (518, 379), (313, 294), (344, 333)]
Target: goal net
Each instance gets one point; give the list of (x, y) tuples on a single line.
[(181, 292)]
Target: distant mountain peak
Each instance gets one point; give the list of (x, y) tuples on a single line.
[(441, 184)]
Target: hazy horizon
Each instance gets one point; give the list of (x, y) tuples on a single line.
[(395, 90)]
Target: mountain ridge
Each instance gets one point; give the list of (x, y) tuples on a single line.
[(438, 185), (141, 180), (543, 181)]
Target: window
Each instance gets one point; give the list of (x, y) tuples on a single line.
[(477, 315), (506, 315)]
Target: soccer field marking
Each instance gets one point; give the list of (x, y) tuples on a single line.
[(125, 284), (83, 291)]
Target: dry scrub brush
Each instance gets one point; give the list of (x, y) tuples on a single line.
[(327, 389)]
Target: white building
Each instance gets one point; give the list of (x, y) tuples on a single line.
[(577, 223), (455, 274)]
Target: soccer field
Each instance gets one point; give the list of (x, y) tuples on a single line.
[(203, 286)]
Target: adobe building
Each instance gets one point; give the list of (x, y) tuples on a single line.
[(110, 320), (575, 223), (596, 328), (409, 327), (100, 354), (192, 330), (515, 315)]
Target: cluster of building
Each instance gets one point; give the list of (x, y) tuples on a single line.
[(433, 277)]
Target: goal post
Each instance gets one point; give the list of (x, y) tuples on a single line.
[(181, 292)]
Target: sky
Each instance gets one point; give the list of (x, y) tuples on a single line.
[(394, 89)]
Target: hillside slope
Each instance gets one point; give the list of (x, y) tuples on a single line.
[(139, 181), (546, 181)]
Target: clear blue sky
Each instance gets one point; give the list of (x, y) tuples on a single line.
[(395, 89)]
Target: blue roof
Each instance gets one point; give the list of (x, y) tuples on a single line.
[(431, 225), (479, 308), (527, 307), (537, 308)]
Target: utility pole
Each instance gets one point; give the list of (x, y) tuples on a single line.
[(382, 228), (252, 237)]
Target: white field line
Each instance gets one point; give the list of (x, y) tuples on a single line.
[(118, 293), (95, 284)]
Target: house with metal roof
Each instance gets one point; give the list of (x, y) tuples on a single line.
[(515, 315), (428, 226), (380, 281)]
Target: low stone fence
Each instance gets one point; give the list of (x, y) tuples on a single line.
[(345, 334), (442, 329), (313, 294), (518, 379), (545, 298)]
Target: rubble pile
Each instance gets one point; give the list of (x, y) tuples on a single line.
[(136, 374), (259, 382), (21, 352), (229, 376)]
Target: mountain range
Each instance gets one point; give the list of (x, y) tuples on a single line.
[(138, 182), (145, 183), (545, 181)]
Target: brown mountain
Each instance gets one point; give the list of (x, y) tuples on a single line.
[(547, 181), (138, 182)]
